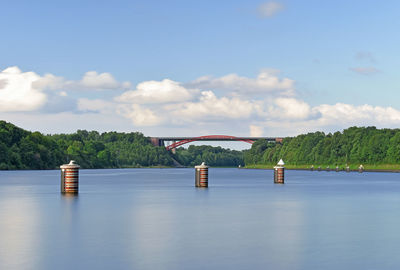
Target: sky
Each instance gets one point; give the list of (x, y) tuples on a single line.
[(191, 68)]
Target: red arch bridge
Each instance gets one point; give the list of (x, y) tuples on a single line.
[(178, 141)]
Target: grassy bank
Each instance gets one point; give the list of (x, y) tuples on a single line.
[(373, 167)]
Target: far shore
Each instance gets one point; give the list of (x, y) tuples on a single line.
[(342, 168)]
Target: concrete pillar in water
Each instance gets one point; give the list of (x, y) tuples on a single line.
[(279, 173), (347, 168), (361, 168), (337, 168), (70, 177), (201, 175)]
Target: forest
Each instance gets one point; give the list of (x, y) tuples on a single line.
[(213, 156), (355, 145), (21, 149)]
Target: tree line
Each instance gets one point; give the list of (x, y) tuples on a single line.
[(213, 156), (355, 145), (21, 149)]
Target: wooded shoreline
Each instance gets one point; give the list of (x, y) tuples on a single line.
[(367, 168), (377, 150)]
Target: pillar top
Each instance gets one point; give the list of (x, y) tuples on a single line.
[(202, 166), (280, 165), (71, 165)]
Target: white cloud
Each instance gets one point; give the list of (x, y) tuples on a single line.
[(209, 106), (152, 92), (270, 9), (289, 108), (17, 92), (95, 105), (177, 103), (166, 106), (335, 117), (3, 83), (140, 116), (26, 91), (267, 81), (94, 80), (51, 82), (169, 103), (365, 70), (256, 131), (91, 80), (358, 115)]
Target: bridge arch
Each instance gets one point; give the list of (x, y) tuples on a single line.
[(208, 138), (178, 141)]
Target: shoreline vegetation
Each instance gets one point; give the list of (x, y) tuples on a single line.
[(24, 150), (376, 149), (367, 168)]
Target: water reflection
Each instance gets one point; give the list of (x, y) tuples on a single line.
[(153, 233), (157, 219), (285, 234), (70, 206), (19, 225), (213, 229)]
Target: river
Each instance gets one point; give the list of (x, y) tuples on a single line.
[(157, 219)]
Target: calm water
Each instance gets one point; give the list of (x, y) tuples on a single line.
[(156, 219)]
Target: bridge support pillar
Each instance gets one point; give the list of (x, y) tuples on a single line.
[(70, 177), (201, 175), (279, 173), (156, 141)]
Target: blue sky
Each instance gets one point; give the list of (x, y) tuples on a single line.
[(340, 57)]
